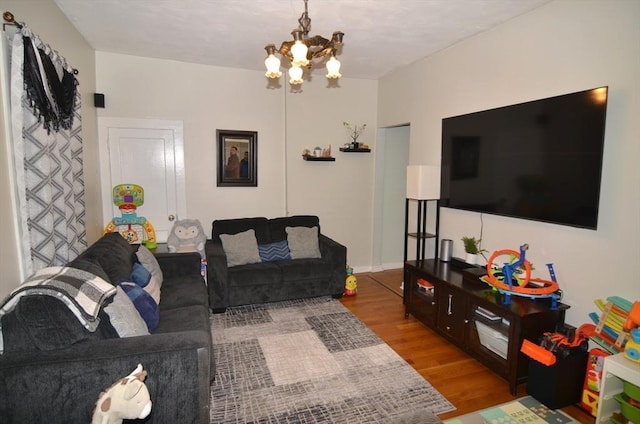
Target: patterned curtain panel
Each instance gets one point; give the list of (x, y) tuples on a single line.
[(47, 145)]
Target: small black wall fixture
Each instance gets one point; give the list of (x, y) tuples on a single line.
[(98, 100)]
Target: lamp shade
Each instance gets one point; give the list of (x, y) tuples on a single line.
[(295, 74), (333, 68), (423, 182)]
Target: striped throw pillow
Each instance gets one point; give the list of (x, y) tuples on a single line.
[(277, 251)]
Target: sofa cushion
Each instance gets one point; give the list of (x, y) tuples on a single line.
[(149, 261), (113, 253), (41, 322), (189, 318), (144, 303), (89, 265), (124, 316), (178, 292), (235, 226), (303, 242), (255, 274), (305, 269), (276, 251), (277, 226), (240, 248)]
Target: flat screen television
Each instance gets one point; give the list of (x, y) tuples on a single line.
[(540, 160)]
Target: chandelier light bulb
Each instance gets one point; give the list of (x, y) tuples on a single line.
[(333, 68), (295, 75), (299, 51), (273, 67)]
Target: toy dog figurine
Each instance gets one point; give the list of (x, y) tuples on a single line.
[(127, 398)]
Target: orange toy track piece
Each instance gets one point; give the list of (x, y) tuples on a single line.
[(540, 287), (523, 278), (547, 287), (538, 353)]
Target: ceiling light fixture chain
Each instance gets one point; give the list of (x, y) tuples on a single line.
[(305, 20), (302, 50)]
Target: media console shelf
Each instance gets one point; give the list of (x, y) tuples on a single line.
[(473, 316)]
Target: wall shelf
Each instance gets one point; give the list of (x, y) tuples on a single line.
[(318, 159), (358, 150)]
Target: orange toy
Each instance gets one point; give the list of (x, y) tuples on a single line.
[(514, 277), (632, 348), (554, 344)]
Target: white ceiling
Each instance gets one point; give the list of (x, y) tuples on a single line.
[(380, 35)]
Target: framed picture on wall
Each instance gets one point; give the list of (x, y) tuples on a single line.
[(237, 158)]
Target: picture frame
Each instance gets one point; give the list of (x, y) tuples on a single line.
[(237, 158)]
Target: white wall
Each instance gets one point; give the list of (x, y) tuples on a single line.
[(340, 192), (207, 98), (562, 47), (45, 19)]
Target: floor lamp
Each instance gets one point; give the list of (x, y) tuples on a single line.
[(423, 185)]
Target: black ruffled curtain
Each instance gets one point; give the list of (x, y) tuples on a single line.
[(52, 97)]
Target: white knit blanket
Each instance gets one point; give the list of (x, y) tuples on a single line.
[(82, 292)]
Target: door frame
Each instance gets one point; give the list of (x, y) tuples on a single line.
[(386, 137), (104, 123)]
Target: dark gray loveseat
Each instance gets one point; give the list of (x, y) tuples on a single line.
[(263, 282), (61, 385)]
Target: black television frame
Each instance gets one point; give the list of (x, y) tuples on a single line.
[(467, 165)]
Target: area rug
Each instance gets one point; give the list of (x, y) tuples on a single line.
[(523, 410), (312, 361)]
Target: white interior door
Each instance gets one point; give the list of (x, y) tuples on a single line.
[(148, 153)]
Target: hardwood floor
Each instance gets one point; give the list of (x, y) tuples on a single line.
[(465, 382)]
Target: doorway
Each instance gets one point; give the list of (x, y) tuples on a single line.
[(148, 153), (391, 168)]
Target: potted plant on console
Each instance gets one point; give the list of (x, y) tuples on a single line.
[(473, 249)]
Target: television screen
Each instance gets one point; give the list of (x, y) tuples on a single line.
[(540, 160)]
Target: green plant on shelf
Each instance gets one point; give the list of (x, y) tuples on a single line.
[(473, 245)]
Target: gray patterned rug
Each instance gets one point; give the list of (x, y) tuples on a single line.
[(312, 361)]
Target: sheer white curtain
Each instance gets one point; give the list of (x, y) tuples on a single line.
[(47, 148)]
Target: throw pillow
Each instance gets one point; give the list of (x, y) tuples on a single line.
[(150, 262), (303, 242), (140, 275), (241, 248), (124, 316), (153, 288), (144, 303), (146, 280), (278, 251)]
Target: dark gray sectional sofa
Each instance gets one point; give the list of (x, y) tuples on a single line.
[(263, 282), (62, 384)]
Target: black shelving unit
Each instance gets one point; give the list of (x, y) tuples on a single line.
[(421, 235)]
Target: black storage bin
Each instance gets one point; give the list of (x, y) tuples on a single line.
[(560, 384)]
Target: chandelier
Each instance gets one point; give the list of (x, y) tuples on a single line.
[(302, 50)]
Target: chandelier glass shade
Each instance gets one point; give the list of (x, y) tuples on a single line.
[(302, 51)]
